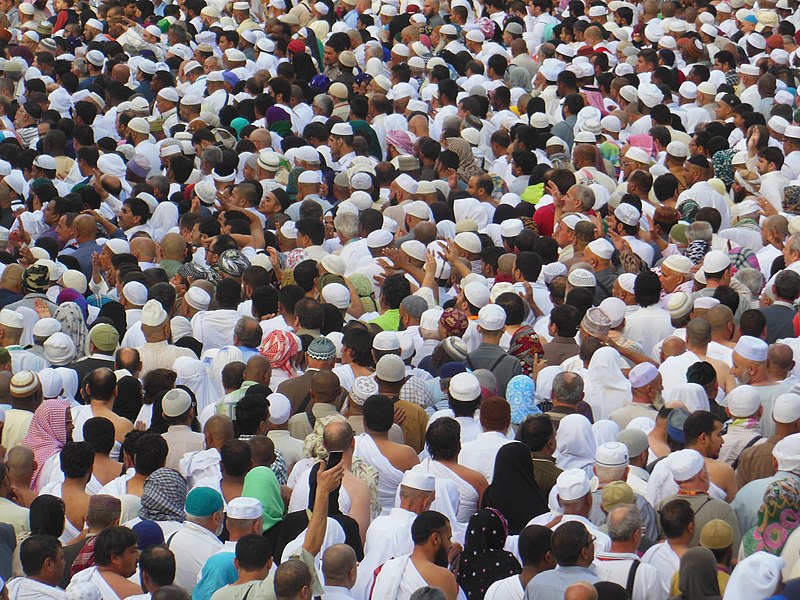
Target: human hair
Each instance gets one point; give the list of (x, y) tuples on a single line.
[(699, 230), (309, 313), (248, 332), (425, 525), (568, 388), (359, 341), (568, 541), (253, 552), (647, 289), (251, 411), (535, 431), (77, 459), (623, 522), (150, 453), (291, 576), (771, 154), (443, 439), (235, 458), (229, 293), (752, 322), (99, 433), (111, 542), (567, 319), (787, 285), (312, 228), (378, 413), (101, 384), (698, 332), (394, 289), (35, 550), (159, 564), (512, 304), (698, 423), (529, 264), (675, 516), (533, 544), (265, 300)]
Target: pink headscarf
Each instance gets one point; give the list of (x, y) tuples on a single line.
[(280, 347), (643, 141), (47, 433), (400, 140)]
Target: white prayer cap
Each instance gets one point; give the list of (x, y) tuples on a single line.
[(552, 270), (403, 90), (678, 263), (175, 403), (688, 90), (679, 304), (572, 220), (582, 278), (707, 88), (757, 41), (96, 24), (74, 280), (334, 264), (386, 341), (743, 401), (785, 410), (611, 123), (627, 213), (46, 327), (10, 318), (309, 177), (406, 183), (511, 228), (379, 238), (429, 320), (465, 387), (361, 200), (642, 374), (716, 261), (280, 408), (476, 294), (153, 314), (336, 294), (749, 70), (746, 207), (629, 93), (705, 302), (59, 348), (135, 293), (638, 154), (601, 248), (678, 149), (751, 348), (685, 464), (650, 95), (419, 481), (492, 317), (787, 453), (572, 484), (52, 384), (615, 310), (197, 298), (626, 282), (417, 209), (468, 241), (415, 249), (612, 454), (245, 508)]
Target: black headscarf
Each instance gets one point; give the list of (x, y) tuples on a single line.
[(47, 516), (304, 66), (116, 313), (128, 401), (513, 490), (484, 561)]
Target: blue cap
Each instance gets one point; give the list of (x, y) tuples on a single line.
[(451, 369), (150, 534), (230, 77), (675, 422), (750, 19), (203, 502)]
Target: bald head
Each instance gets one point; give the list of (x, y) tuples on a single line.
[(144, 249), (585, 152), (173, 247), (580, 591), (121, 73), (12, 278), (337, 436), (218, 430), (338, 565), (425, 232), (780, 360), (258, 369), (519, 46), (673, 346), (85, 227), (719, 317), (20, 462), (262, 450)]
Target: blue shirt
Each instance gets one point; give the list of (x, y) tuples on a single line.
[(551, 585)]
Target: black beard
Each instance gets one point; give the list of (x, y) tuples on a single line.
[(440, 560)]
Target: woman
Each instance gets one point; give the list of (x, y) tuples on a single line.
[(697, 577), (520, 394), (604, 431), (575, 445), (607, 389), (260, 483), (691, 395), (484, 560), (128, 401), (281, 349), (194, 374), (156, 383), (48, 516), (513, 491), (778, 517), (757, 576), (49, 430), (466, 160), (70, 317)]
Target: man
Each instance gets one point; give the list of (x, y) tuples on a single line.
[(756, 461), (536, 556), (743, 406), (116, 556), (11, 512), (149, 454), (253, 560), (426, 565), (320, 357), (156, 568), (374, 448), (573, 549), (689, 471), (157, 352), (76, 459), (781, 312), (103, 341), (390, 535), (646, 390), (677, 523), (702, 432), (537, 432), (100, 387), (197, 540), (479, 454), (565, 396), (12, 324), (26, 396), (178, 413), (42, 561), (103, 512), (564, 322), (650, 323), (339, 567), (617, 565), (489, 355)]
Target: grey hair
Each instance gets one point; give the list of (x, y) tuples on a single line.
[(586, 196), (568, 388), (608, 474), (325, 104), (212, 156), (752, 279), (248, 332), (623, 522), (699, 230), (428, 593), (161, 183), (346, 224), (793, 243)]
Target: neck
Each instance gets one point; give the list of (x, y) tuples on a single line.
[(640, 398), (627, 546), (77, 484), (248, 576)]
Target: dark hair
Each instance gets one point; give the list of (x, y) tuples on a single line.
[(394, 289), (309, 313), (101, 383), (253, 551), (112, 541), (533, 544), (787, 285), (425, 525), (159, 564), (35, 550), (47, 514), (229, 293), (235, 458), (443, 438), (251, 411), (359, 341), (568, 541), (647, 289), (698, 423), (312, 228), (77, 459), (265, 300), (529, 264), (675, 517), (535, 431), (752, 322), (567, 319), (305, 273), (150, 453), (99, 433), (378, 413)]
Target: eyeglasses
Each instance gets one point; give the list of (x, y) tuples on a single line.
[(589, 542)]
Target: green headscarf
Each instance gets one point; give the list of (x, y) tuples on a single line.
[(260, 483), (238, 124)]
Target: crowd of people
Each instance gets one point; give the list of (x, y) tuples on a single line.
[(400, 300)]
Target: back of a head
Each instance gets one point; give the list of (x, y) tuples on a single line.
[(428, 593), (337, 436), (534, 543), (159, 564), (698, 423), (623, 522), (568, 388), (675, 516), (99, 432), (425, 525), (171, 592), (235, 458), (101, 384), (253, 552), (337, 562), (290, 579), (326, 386), (378, 413), (77, 459), (568, 541), (535, 431), (698, 332), (35, 550)]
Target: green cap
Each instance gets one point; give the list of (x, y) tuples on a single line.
[(104, 337), (203, 502)]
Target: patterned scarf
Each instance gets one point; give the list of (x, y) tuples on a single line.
[(280, 347), (164, 496)]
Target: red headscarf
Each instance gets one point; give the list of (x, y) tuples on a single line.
[(47, 433)]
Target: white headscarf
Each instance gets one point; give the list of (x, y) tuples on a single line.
[(692, 395), (544, 383), (193, 373), (222, 357), (607, 389), (69, 379), (756, 576), (575, 444), (604, 431), (645, 424), (470, 208)]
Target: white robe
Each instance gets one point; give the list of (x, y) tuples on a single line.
[(390, 477), (398, 580)]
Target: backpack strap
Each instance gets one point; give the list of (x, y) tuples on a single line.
[(752, 442), (169, 539), (632, 577)]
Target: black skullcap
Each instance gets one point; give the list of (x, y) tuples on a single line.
[(701, 373)]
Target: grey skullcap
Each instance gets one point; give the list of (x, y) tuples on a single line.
[(414, 306)]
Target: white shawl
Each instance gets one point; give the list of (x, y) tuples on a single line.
[(389, 477)]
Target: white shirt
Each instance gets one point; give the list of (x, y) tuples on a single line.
[(615, 566), (509, 588), (648, 325), (480, 454), (192, 546), (666, 562)]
